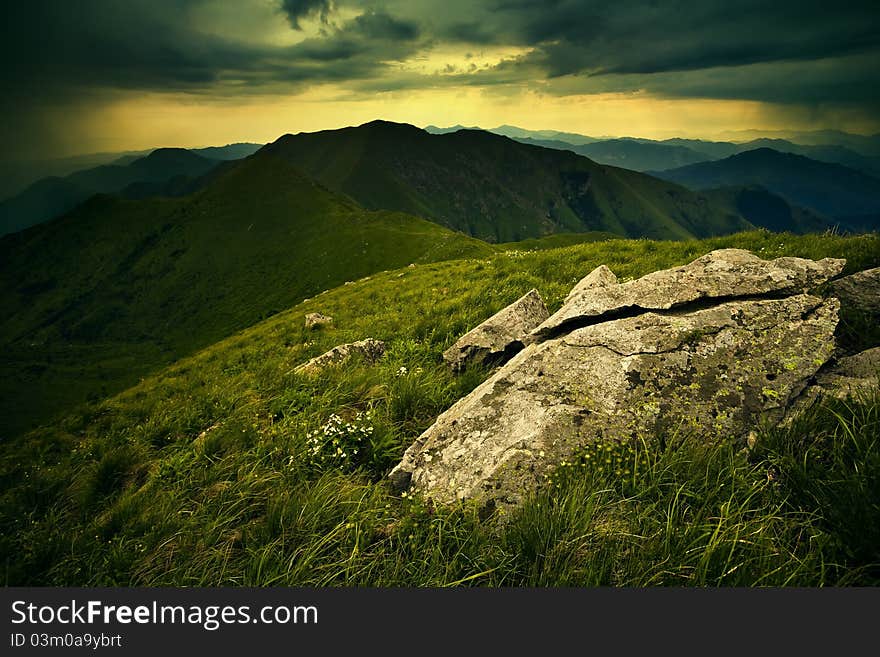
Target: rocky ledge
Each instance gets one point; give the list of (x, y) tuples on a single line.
[(714, 348)]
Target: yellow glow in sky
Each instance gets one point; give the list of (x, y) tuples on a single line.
[(154, 120)]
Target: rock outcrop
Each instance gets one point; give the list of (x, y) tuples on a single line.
[(317, 320), (673, 362), (851, 375), (859, 291), (722, 274), (369, 349), (501, 336), (601, 276)]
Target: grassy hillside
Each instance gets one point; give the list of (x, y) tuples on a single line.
[(94, 300), (496, 189), (556, 241), (201, 474)]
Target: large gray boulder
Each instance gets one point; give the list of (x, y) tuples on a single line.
[(852, 375), (859, 291), (719, 371), (501, 336), (601, 276), (371, 350), (719, 275)]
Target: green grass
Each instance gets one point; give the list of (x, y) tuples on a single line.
[(96, 300), (202, 474), (557, 241)]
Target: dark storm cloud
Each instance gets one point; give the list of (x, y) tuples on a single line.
[(710, 45), (156, 44), (379, 25), (638, 37), (469, 32), (79, 55), (804, 52), (297, 10), (58, 49), (56, 46), (708, 49)]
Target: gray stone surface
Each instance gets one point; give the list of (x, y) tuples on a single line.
[(716, 370), (370, 349), (851, 375), (722, 274), (860, 291), (501, 336), (317, 320), (601, 276)]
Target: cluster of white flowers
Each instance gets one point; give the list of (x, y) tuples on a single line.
[(338, 441), (402, 371)]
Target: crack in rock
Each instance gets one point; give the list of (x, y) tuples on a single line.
[(716, 347), (720, 275)]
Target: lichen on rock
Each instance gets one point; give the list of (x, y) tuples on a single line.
[(719, 275), (369, 349), (499, 337), (687, 356)]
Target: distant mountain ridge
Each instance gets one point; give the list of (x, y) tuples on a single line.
[(52, 197), (832, 190), (640, 154), (864, 144), (161, 172), (495, 188), (16, 176), (631, 154)]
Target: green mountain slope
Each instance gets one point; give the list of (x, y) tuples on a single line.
[(105, 293), (768, 210), (200, 474), (824, 153), (496, 189)]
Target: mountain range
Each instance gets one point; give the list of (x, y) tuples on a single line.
[(127, 282), (17, 175), (864, 144), (174, 172), (495, 188), (164, 171), (843, 194), (641, 154)]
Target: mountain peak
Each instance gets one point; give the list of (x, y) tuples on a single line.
[(171, 154), (382, 124), (493, 187), (764, 152)]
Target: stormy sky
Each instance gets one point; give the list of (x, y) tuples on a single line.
[(105, 75)]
